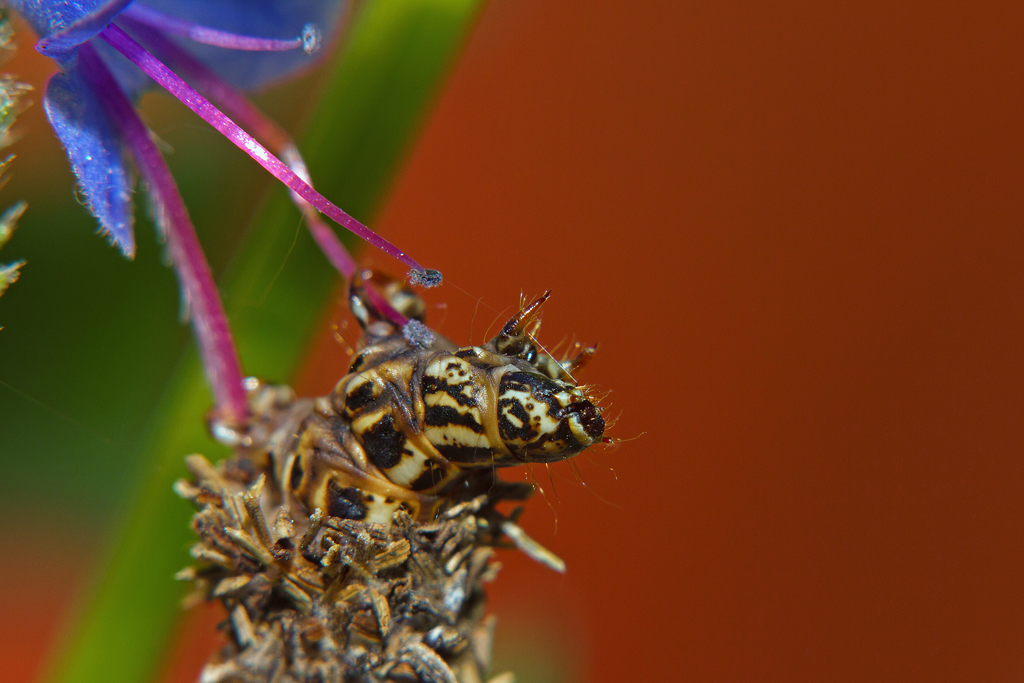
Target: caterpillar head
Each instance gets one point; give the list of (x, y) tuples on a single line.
[(508, 402)]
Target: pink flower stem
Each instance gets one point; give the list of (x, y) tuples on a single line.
[(216, 347), (167, 79), (308, 41), (236, 105), (263, 128)]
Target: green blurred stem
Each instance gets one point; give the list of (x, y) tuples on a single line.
[(381, 86)]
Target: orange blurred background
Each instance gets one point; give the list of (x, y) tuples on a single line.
[(797, 231)]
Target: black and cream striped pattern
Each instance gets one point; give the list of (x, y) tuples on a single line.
[(408, 422)]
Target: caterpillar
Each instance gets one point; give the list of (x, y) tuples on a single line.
[(351, 535), (416, 415)]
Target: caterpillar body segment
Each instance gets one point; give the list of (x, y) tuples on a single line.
[(416, 416)]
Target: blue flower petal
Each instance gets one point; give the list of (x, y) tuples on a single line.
[(262, 18), (59, 42), (64, 24), (94, 148), (79, 118), (47, 17)]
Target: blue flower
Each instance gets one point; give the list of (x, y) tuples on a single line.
[(110, 51), (206, 29)]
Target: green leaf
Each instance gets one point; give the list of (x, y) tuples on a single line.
[(383, 81)]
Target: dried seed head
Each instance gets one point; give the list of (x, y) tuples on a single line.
[(356, 600)]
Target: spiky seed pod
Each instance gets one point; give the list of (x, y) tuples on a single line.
[(351, 536), (329, 599)]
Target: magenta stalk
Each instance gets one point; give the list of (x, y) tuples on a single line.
[(210, 323), (171, 82)]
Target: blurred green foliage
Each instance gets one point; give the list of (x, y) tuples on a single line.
[(102, 395)]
